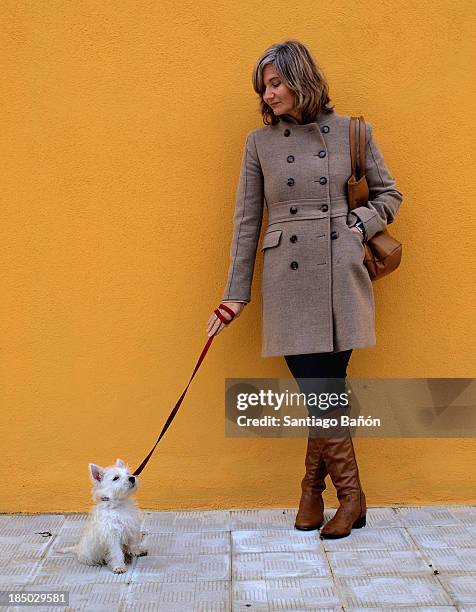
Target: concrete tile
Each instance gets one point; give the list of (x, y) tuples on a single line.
[(24, 547), (280, 518), (368, 538), (66, 570), (285, 594), (451, 560), (213, 520), (194, 554), (17, 525), (444, 537), (249, 595), (179, 597), (181, 568), (378, 563), (383, 517), (84, 597), (13, 588), (74, 522), (65, 538), (275, 540), (421, 516), (404, 609), (69, 535), (466, 515), (17, 571), (461, 589), (205, 543), (382, 591), (36, 522), (265, 566), (469, 508)]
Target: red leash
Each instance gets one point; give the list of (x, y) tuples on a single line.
[(177, 405)]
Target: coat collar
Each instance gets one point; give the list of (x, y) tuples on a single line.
[(322, 117)]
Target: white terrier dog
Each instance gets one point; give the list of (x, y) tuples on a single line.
[(112, 533)]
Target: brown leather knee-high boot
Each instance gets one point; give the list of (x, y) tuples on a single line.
[(311, 507), (339, 455)]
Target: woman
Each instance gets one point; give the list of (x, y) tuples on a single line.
[(318, 302)]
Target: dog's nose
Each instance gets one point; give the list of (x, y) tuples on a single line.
[(132, 478)]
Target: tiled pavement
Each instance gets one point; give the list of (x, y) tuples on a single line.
[(405, 559)]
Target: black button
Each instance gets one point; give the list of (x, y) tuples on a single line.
[(293, 238), (286, 132), (290, 181), (334, 235), (290, 158), (323, 180), (294, 265), (325, 129), (324, 208), (322, 153), (293, 210)]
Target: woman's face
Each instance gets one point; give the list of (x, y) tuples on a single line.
[(276, 95)]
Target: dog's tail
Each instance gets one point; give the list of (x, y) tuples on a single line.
[(67, 549)]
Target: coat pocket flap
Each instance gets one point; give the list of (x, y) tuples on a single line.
[(271, 239)]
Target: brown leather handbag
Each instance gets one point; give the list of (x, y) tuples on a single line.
[(383, 253)]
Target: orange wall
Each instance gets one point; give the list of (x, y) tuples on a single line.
[(122, 133)]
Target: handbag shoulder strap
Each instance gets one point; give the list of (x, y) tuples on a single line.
[(353, 154)]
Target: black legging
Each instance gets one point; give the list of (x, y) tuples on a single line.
[(319, 365), (322, 366)]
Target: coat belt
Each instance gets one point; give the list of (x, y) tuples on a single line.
[(296, 210)]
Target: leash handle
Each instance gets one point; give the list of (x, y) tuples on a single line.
[(180, 400), (221, 317)]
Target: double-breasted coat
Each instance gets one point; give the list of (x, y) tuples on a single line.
[(317, 295)]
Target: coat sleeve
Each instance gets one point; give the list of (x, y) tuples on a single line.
[(384, 197), (246, 225)]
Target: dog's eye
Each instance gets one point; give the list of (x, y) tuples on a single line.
[(116, 478)]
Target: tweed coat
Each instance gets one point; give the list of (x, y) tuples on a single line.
[(317, 295)]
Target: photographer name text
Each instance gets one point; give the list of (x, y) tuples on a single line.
[(308, 421)]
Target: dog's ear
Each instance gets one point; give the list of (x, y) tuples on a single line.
[(97, 472), (120, 463)]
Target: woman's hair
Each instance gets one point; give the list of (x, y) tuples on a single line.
[(300, 73)]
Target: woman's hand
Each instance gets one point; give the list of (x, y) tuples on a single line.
[(215, 326), (355, 229)]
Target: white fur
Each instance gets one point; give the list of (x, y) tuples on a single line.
[(112, 533)]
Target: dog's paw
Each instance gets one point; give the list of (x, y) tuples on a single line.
[(119, 569), (127, 556), (139, 552)]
